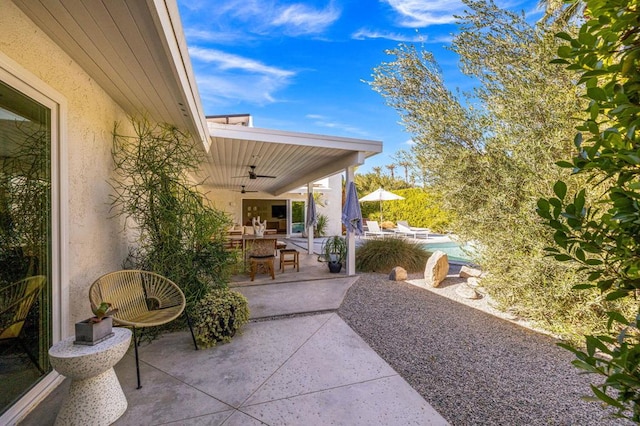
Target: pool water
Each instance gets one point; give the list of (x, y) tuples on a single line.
[(454, 251)]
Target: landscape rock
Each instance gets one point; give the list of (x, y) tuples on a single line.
[(436, 269), (473, 282), (398, 274), (468, 271), (467, 291)]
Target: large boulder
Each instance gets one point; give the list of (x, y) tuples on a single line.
[(437, 269), (398, 274)]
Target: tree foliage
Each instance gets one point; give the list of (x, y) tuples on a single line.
[(491, 153), (599, 227), (178, 234)]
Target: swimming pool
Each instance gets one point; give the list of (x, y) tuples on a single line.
[(455, 252)]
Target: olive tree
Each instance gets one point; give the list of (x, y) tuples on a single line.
[(491, 153)]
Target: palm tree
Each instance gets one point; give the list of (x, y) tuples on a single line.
[(391, 168), (377, 170)]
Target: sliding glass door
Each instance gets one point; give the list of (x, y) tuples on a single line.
[(25, 243)]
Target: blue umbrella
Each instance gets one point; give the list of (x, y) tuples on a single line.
[(351, 214), (311, 212)]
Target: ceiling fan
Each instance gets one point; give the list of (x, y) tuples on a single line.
[(253, 175), (244, 191)]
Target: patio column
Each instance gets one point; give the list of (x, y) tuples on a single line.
[(309, 229), (351, 238)]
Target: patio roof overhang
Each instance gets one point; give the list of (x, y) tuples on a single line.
[(295, 159), (135, 50)]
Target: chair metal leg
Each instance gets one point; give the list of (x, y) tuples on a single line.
[(135, 347), (193, 336), (30, 355)]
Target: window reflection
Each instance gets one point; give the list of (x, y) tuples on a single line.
[(25, 207)]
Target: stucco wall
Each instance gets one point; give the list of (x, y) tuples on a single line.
[(96, 244)]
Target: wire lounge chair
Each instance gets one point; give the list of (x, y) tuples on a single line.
[(405, 229), (16, 301), (373, 229), (143, 299)]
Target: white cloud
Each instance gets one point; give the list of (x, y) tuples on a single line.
[(228, 61), (265, 17), (315, 116), (225, 78), (421, 13), (299, 18), (322, 121), (364, 34), (220, 37)]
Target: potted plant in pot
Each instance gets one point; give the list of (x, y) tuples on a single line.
[(97, 328), (334, 250)]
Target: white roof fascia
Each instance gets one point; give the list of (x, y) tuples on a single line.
[(293, 138), (168, 23)]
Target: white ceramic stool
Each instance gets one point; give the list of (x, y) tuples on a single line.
[(95, 397)]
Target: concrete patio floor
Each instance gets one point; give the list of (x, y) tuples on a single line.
[(295, 363)]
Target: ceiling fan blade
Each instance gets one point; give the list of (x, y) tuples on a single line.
[(265, 176)]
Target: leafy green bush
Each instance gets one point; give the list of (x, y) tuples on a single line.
[(597, 228), (382, 255), (218, 316), (420, 207)]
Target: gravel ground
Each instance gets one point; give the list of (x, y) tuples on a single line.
[(474, 368)]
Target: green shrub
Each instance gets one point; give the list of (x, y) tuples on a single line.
[(421, 207), (384, 254), (218, 316), (321, 225)]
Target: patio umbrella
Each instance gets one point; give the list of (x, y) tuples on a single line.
[(381, 195), (351, 215), (312, 218)]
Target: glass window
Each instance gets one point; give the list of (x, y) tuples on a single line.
[(25, 243)]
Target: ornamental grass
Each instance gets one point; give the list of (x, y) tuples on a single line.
[(382, 255)]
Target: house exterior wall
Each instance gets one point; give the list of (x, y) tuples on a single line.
[(95, 242), (333, 205)]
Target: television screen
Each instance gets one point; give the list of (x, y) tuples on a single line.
[(279, 211)]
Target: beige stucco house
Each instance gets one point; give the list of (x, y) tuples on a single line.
[(68, 71)]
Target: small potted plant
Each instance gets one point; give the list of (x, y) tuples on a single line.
[(334, 250), (97, 328)]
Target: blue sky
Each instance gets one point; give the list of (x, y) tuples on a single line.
[(300, 66)]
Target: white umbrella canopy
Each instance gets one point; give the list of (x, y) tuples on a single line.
[(381, 195)]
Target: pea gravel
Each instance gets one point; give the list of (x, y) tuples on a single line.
[(472, 367)]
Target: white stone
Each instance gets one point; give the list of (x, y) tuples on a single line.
[(463, 290), (473, 282), (467, 271)]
